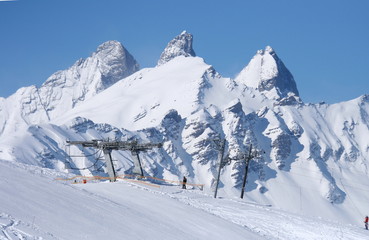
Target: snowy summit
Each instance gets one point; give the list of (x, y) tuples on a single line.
[(267, 73)]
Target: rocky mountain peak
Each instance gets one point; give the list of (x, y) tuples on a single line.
[(66, 89), (109, 46), (267, 73), (181, 45), (115, 62)]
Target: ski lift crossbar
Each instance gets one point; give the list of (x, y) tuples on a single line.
[(117, 145)]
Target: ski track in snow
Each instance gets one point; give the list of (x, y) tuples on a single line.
[(14, 229), (271, 224)]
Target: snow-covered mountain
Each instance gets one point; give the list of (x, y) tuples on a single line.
[(267, 73), (66, 89), (314, 157)]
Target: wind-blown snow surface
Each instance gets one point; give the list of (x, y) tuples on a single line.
[(313, 161), (39, 207)]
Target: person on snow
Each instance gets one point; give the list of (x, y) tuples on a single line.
[(366, 220), (184, 181)]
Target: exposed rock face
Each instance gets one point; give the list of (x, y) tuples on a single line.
[(115, 63), (282, 149), (179, 46)]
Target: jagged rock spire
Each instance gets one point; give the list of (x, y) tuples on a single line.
[(179, 46), (115, 62), (267, 73)]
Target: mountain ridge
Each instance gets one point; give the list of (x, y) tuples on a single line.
[(66, 89)]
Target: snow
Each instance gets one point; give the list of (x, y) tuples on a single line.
[(267, 73), (36, 206), (106, 211), (142, 103)]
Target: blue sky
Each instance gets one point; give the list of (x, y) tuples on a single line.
[(324, 43)]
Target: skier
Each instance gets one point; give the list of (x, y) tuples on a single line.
[(184, 181), (366, 220)]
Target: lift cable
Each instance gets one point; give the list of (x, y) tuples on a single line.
[(85, 168)]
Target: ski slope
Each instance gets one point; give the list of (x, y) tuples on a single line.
[(36, 206)]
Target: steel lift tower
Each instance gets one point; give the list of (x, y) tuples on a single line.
[(108, 146)]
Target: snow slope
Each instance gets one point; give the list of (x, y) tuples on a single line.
[(38, 207), (143, 99)]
